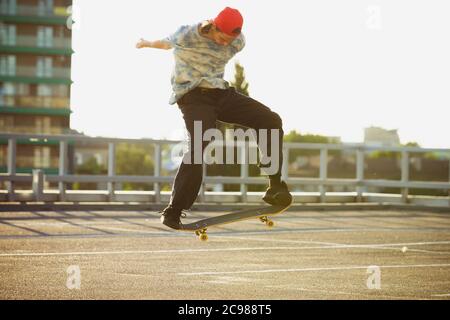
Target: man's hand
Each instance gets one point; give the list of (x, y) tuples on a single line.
[(158, 44), (143, 44)]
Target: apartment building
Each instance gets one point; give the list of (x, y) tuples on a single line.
[(35, 61)]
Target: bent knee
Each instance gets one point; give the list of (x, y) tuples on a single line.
[(275, 121)]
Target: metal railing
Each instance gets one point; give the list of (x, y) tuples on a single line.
[(32, 71), (26, 129), (35, 101), (322, 182), (34, 41)]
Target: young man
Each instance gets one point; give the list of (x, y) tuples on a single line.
[(201, 52)]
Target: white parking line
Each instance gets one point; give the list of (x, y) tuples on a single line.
[(326, 292), (91, 253), (311, 269), (335, 230), (441, 295), (340, 244), (318, 246), (384, 246)]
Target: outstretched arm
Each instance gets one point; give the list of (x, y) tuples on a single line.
[(158, 44)]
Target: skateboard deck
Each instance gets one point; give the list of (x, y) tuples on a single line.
[(200, 227)]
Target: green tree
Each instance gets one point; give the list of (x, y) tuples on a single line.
[(384, 154), (412, 144), (294, 136), (90, 167), (417, 154), (134, 160), (240, 83), (396, 155)]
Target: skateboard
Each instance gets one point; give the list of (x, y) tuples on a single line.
[(200, 227)]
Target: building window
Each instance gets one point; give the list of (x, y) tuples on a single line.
[(41, 157), (45, 37), (78, 159), (7, 95), (7, 35), (43, 125), (8, 89), (45, 7), (23, 89), (44, 90), (8, 65), (8, 6), (98, 157), (44, 67), (61, 90)]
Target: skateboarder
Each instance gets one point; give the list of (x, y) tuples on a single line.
[(201, 52)]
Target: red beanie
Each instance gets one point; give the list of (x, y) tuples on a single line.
[(229, 21)]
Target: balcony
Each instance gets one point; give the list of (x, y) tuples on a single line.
[(33, 44), (35, 102), (33, 162), (35, 14), (54, 72), (31, 129), (32, 74)]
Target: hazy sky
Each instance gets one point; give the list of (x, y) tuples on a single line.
[(329, 67)]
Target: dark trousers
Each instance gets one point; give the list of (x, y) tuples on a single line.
[(208, 106)]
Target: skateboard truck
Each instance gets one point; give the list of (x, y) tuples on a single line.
[(267, 221), (202, 234)]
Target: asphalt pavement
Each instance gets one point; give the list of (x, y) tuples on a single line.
[(376, 254)]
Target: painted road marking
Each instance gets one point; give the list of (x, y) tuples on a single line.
[(441, 295), (384, 246), (332, 246), (312, 269), (43, 254), (325, 292)]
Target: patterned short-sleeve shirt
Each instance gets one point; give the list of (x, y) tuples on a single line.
[(199, 60)]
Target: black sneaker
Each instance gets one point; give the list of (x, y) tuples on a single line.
[(278, 195), (170, 217)]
